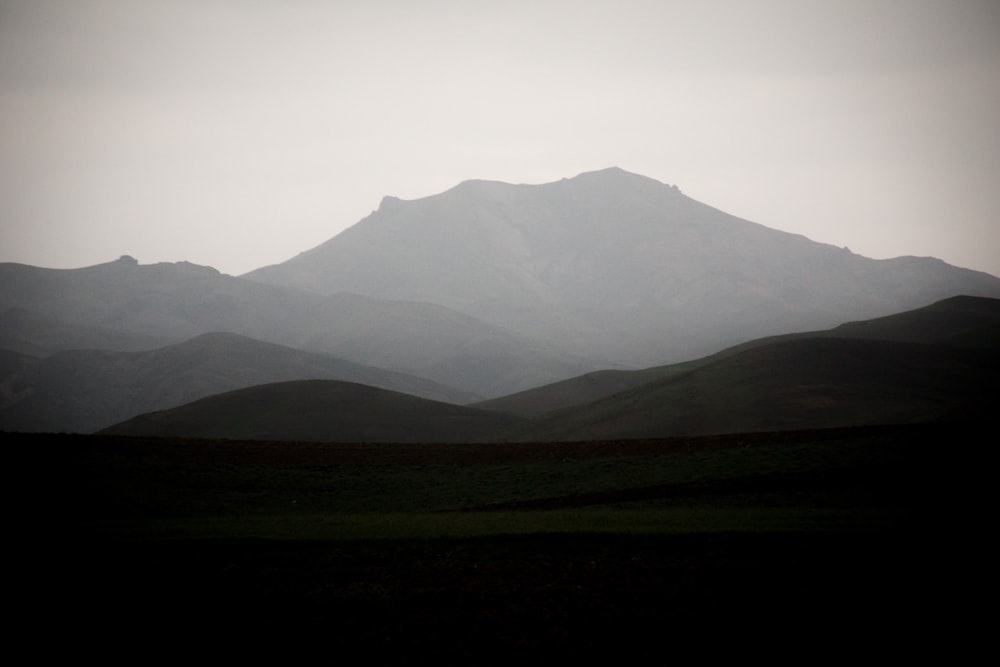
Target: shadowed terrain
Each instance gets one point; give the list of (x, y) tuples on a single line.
[(319, 410), (560, 549), (961, 321)]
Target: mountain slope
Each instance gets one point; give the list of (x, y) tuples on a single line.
[(613, 264), (84, 390), (23, 331), (125, 305), (318, 410), (960, 321)]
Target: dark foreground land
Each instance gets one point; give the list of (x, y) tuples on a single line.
[(849, 538)]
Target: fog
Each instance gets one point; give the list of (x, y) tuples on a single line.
[(237, 134)]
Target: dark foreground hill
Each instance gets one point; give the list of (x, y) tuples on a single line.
[(86, 390), (796, 384), (319, 410)]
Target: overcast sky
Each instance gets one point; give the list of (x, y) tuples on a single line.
[(237, 133)]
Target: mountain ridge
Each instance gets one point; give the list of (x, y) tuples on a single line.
[(493, 288), (614, 264)]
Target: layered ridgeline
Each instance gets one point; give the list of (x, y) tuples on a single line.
[(962, 325), (935, 364), (487, 288), (124, 305), (86, 390), (613, 265)]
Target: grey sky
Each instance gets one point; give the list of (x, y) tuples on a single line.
[(237, 133)]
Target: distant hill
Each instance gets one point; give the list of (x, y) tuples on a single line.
[(963, 321), (23, 331), (84, 390), (613, 265), (124, 305), (318, 410)]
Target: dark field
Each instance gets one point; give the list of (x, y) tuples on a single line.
[(849, 537)]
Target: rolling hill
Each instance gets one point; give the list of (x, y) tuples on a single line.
[(318, 410), (963, 321), (85, 390), (804, 383), (853, 375)]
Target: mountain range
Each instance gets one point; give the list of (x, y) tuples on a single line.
[(612, 265), (517, 299)]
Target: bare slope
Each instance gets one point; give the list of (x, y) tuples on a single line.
[(613, 264), (318, 410)]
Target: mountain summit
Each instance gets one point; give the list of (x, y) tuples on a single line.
[(612, 264)]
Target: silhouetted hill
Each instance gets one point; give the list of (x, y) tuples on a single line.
[(801, 383), (961, 321), (613, 265), (84, 390), (318, 410)]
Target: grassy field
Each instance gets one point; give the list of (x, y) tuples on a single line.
[(574, 548)]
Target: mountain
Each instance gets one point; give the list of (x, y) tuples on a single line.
[(492, 288), (957, 321), (318, 410), (124, 305), (613, 265), (84, 390)]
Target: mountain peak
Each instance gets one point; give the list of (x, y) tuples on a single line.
[(617, 175)]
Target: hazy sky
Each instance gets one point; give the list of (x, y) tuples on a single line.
[(237, 133)]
